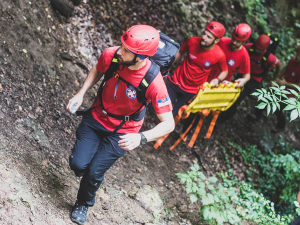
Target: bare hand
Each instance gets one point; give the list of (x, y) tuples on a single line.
[(214, 82), (241, 81), (130, 141), (76, 100)]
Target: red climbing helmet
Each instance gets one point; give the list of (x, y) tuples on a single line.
[(141, 39), (216, 29), (242, 32), (263, 42)]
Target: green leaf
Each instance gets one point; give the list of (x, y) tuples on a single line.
[(214, 212), (262, 105), (206, 213), (197, 166), (201, 185), (293, 92), (285, 92), (189, 190), (289, 107), (294, 114), (274, 107), (201, 191), (296, 86), (221, 187), (220, 220), (255, 93), (201, 175), (268, 109), (275, 89), (210, 187), (193, 198), (291, 101), (208, 199), (269, 97), (262, 99), (278, 105), (276, 85), (216, 198), (212, 179)]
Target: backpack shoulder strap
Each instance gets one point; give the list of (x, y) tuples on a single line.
[(113, 67), (251, 50), (264, 60), (147, 80)]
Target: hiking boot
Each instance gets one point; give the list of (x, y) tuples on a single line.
[(79, 213)]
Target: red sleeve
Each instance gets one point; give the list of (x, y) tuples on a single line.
[(245, 64), (222, 62), (157, 93), (272, 60), (105, 59)]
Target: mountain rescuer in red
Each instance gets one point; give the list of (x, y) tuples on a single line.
[(261, 60), (111, 126), (289, 75), (202, 55), (237, 56)]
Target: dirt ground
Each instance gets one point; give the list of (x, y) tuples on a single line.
[(44, 58)]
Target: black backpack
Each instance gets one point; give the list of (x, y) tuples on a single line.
[(273, 44), (161, 61), (165, 55)]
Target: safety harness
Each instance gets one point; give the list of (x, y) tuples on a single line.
[(261, 62), (140, 92)]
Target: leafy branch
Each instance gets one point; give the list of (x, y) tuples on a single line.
[(272, 98)]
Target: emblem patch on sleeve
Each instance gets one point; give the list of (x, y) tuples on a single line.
[(164, 101)]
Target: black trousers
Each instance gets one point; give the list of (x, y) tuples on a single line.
[(279, 114), (95, 151), (178, 97), (296, 221)]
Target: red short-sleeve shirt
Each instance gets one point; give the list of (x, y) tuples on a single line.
[(195, 68), (120, 99), (236, 60), (254, 67), (292, 73)]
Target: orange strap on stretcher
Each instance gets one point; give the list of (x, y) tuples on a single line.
[(208, 100)]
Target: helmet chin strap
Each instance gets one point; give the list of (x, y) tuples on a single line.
[(132, 63), (207, 46)]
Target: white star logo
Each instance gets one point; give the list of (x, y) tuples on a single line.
[(207, 64), (231, 62), (130, 93)]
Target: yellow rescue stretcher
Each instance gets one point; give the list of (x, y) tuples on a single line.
[(208, 100)]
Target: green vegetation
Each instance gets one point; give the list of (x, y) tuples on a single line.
[(271, 98), (263, 18), (273, 179), (229, 201), (275, 176)]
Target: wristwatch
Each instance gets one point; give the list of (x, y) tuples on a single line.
[(143, 138)]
